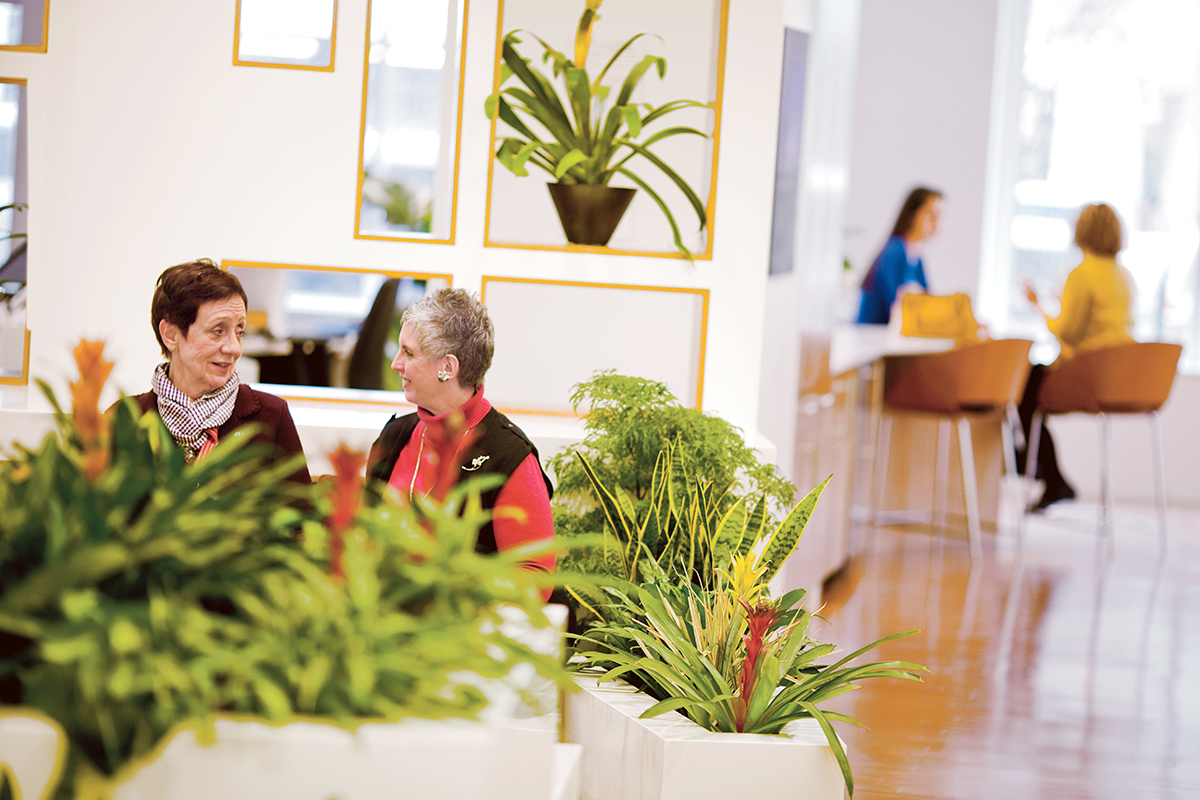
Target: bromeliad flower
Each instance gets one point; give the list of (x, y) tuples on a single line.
[(347, 492), (760, 618), (449, 444), (85, 407)]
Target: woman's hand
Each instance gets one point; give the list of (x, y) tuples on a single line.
[(1032, 297)]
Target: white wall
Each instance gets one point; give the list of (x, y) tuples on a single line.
[(149, 148), (805, 298), (921, 108)]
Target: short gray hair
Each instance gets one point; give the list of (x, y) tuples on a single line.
[(454, 322)]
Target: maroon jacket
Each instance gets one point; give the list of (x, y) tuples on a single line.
[(269, 411)]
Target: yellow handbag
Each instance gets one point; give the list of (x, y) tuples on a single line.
[(939, 317)]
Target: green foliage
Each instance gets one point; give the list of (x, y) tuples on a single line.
[(399, 203), (578, 136), (165, 591), (676, 481), (630, 420), (680, 530)]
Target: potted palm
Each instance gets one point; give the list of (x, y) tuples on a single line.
[(581, 133)]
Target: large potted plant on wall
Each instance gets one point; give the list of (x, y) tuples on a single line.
[(587, 135)]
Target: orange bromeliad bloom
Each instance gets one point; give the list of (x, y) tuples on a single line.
[(85, 406), (449, 445), (347, 492)]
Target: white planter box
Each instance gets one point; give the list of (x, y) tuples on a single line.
[(513, 760), (671, 758), (511, 753)]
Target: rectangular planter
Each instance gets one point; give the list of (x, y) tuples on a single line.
[(251, 760), (671, 758)]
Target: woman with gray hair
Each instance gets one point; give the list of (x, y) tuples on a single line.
[(446, 344)]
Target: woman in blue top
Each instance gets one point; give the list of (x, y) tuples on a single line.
[(898, 264)]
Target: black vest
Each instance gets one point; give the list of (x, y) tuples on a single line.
[(500, 449)]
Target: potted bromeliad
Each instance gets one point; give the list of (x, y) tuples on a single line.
[(686, 615), (142, 595), (582, 133)]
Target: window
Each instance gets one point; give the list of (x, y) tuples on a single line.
[(1108, 110), (14, 340), (322, 326), (410, 120), (296, 34), (23, 25)]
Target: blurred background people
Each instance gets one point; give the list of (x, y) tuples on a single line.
[(898, 267), (1096, 312), (199, 313)]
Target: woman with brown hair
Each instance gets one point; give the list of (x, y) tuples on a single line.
[(1096, 312), (199, 313), (899, 264)]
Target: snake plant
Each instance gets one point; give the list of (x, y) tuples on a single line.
[(578, 136)]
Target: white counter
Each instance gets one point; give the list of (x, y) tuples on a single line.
[(853, 346)]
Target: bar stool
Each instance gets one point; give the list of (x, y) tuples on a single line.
[(1131, 378), (984, 379)]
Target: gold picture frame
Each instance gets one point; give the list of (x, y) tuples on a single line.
[(367, 397), (703, 295), (463, 15), (43, 46), (710, 204), (238, 61)]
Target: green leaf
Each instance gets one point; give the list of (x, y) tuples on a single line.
[(788, 534), (569, 160), (691, 196), (663, 206), (835, 744), (633, 120)]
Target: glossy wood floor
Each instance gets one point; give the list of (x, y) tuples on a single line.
[(1064, 672)]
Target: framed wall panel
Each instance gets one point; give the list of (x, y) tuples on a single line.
[(14, 192), (411, 120), (691, 37), (551, 335), (288, 34), (330, 327), (24, 25)]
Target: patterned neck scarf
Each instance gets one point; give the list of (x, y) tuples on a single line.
[(190, 421)]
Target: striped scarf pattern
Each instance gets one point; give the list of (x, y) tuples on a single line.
[(190, 421)]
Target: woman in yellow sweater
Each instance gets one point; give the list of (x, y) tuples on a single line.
[(1097, 312)]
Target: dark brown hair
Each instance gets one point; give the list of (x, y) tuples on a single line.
[(1099, 230), (912, 204), (183, 288)]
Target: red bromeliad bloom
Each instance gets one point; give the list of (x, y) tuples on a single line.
[(449, 444), (85, 406), (347, 491), (760, 617)]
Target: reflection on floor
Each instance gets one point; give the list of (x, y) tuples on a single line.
[(1060, 673)]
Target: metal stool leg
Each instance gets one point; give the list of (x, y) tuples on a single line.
[(941, 479), (1031, 454), (1008, 438), (970, 489), (1106, 483), (878, 485), (1160, 481)]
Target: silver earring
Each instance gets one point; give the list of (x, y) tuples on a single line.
[(443, 376)]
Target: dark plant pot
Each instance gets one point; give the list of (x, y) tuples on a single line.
[(589, 214)]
